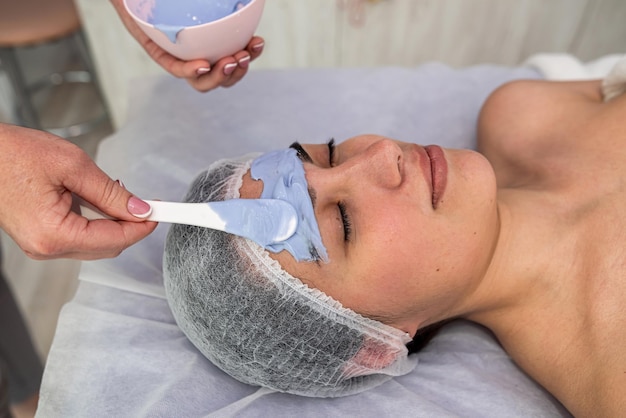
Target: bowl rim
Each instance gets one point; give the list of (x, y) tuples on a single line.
[(221, 19)]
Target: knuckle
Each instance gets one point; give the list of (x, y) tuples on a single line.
[(75, 161), (241, 55), (43, 248), (110, 193), (76, 155)]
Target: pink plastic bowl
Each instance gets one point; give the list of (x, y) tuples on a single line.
[(211, 40)]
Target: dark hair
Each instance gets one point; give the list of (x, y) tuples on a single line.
[(424, 335)]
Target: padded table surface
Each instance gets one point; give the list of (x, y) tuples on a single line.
[(117, 350)]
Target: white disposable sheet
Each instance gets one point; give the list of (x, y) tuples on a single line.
[(117, 350)]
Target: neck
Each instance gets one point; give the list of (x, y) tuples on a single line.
[(527, 263)]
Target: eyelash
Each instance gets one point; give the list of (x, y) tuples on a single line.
[(299, 151), (345, 220), (331, 151)]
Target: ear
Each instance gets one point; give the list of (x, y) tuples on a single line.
[(376, 355)]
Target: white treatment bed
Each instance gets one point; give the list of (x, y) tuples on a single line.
[(117, 351)]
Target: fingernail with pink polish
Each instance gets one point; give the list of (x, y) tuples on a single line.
[(202, 70), (138, 207), (244, 62), (258, 46), (229, 68)]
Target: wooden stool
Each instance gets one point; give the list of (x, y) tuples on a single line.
[(31, 23)]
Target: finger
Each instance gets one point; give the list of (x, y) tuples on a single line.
[(81, 239), (106, 238), (219, 74), (255, 47), (88, 181), (234, 73), (175, 66), (198, 68), (238, 72), (243, 60), (229, 70)]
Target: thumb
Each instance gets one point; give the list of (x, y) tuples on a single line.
[(106, 195)]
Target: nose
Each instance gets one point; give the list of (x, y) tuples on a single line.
[(379, 165)]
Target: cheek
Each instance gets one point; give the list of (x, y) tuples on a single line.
[(424, 248), (393, 251)]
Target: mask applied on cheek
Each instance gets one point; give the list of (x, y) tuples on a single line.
[(283, 178)]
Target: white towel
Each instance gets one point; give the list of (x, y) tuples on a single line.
[(565, 67), (614, 83)]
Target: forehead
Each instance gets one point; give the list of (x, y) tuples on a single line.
[(304, 271), (250, 188)]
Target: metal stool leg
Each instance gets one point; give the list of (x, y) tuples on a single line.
[(25, 111), (86, 76), (83, 51)]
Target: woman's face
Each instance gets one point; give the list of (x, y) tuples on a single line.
[(409, 230)]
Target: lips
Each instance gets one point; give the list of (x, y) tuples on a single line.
[(438, 172)]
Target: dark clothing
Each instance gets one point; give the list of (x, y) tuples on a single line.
[(20, 365), (4, 394)]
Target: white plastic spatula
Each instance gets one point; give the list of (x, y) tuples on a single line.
[(265, 221)]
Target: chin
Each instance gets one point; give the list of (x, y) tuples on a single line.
[(471, 180)]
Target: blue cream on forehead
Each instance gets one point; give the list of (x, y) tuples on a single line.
[(283, 178)]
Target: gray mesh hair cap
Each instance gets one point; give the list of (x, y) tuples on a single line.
[(261, 325)]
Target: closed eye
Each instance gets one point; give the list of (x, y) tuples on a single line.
[(331, 152), (345, 220)]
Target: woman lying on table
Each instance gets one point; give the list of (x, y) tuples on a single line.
[(527, 237)]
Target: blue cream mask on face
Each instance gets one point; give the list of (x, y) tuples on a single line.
[(170, 17), (283, 178)]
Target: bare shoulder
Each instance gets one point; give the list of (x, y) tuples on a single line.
[(524, 119)]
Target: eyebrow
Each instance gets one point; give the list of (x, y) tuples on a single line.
[(301, 152), (304, 156)]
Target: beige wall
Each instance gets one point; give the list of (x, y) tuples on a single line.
[(327, 33)]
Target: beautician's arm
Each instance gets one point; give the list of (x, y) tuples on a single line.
[(199, 73), (38, 174)]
